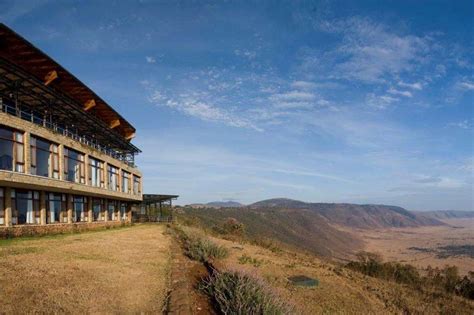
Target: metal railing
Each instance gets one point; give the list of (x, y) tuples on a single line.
[(35, 118)]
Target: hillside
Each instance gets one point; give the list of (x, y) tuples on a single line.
[(354, 215), (446, 214), (225, 204), (297, 228)]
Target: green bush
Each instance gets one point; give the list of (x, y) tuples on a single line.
[(234, 292), (245, 259)]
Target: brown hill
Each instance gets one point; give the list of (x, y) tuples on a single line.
[(354, 215)]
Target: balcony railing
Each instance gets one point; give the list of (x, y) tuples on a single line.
[(128, 158)]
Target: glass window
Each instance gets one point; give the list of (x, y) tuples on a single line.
[(111, 211), (113, 178), (123, 211), (11, 150), (79, 209), (2, 207), (96, 173), (125, 182), (42, 156), (97, 209), (55, 207), (25, 207), (74, 166), (136, 185)]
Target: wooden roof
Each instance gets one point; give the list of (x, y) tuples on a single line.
[(22, 53)]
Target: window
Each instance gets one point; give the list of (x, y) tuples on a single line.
[(2, 207), (125, 182), (74, 166), (96, 173), (97, 207), (55, 207), (25, 207), (79, 209), (113, 178), (44, 158), (111, 210), (123, 211), (136, 185), (11, 150)]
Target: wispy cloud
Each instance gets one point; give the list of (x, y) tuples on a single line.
[(380, 101), (399, 92), (415, 86), (464, 124), (150, 59), (466, 85)]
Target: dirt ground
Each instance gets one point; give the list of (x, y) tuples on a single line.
[(122, 270), (420, 246)]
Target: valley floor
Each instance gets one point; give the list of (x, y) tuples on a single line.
[(431, 245), (114, 271)]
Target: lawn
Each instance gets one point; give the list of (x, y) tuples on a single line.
[(120, 270)]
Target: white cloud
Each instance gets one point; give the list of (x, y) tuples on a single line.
[(249, 54), (414, 86), (303, 85), (398, 92), (150, 59), (195, 105), (466, 85), (293, 99), (460, 124), (380, 101)]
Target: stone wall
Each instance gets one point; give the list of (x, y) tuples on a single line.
[(49, 229)]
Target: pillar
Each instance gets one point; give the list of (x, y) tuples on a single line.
[(61, 161), (27, 157), (86, 169), (42, 208), (106, 175), (106, 210), (90, 215), (69, 209), (129, 213), (8, 206)]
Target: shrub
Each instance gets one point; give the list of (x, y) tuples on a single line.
[(245, 259), (235, 292), (204, 250)]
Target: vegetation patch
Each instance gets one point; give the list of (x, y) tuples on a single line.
[(199, 248), (246, 259), (446, 280), (235, 292)]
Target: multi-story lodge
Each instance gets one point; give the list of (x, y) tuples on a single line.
[(65, 154)]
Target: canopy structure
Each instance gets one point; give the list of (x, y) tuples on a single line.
[(154, 198), (30, 81), (155, 208)]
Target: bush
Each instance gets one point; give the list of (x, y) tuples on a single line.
[(204, 250), (245, 259), (238, 293)]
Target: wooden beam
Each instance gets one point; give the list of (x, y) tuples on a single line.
[(89, 104), (50, 77), (114, 123), (130, 136)]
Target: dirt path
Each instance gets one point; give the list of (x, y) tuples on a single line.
[(124, 270)]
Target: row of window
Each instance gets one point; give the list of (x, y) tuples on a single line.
[(44, 160), (26, 208)]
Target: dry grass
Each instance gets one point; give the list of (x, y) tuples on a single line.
[(121, 270), (340, 290), (397, 244)]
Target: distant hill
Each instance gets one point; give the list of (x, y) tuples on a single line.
[(296, 228), (354, 215), (224, 204), (320, 228), (446, 214)]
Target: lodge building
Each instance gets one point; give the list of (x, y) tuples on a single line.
[(65, 154)]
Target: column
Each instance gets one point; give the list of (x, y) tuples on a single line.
[(90, 215), (69, 209), (8, 206), (129, 213), (86, 168), (106, 176), (61, 161), (42, 208), (118, 205), (27, 159), (106, 210)]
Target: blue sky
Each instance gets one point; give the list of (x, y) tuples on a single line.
[(323, 101)]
